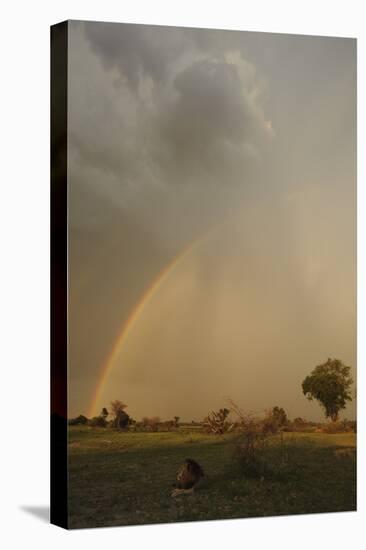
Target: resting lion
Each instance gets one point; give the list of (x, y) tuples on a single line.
[(188, 476)]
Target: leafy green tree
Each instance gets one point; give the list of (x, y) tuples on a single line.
[(329, 384)]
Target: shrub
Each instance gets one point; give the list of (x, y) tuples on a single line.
[(151, 423), (260, 455), (97, 422), (168, 425), (275, 420), (121, 421), (269, 425), (298, 424), (250, 444), (78, 421), (104, 413), (250, 448), (301, 425), (217, 423), (339, 427), (257, 452), (353, 425)]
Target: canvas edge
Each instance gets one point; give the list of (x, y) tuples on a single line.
[(59, 275)]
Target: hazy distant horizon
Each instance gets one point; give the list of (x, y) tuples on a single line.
[(212, 217)]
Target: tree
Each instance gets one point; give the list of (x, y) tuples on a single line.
[(176, 421), (329, 384), (279, 416), (117, 406), (104, 413), (275, 419), (217, 423), (121, 419)]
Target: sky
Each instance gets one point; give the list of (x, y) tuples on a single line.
[(212, 217)]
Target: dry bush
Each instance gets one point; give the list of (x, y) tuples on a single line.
[(217, 423), (260, 453), (250, 444), (250, 448), (269, 424)]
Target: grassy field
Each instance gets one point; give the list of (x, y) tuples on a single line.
[(118, 478)]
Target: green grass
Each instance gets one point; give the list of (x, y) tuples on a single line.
[(118, 478)]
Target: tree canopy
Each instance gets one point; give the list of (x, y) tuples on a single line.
[(279, 416), (117, 406), (329, 384), (121, 418)]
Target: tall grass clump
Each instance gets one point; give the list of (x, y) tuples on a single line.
[(250, 444), (258, 452)]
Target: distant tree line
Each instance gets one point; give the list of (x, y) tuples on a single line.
[(118, 419), (329, 383)]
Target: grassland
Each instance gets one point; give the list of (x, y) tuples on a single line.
[(125, 478)]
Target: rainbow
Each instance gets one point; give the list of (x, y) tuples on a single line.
[(137, 310)]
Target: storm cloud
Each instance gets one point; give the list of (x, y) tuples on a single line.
[(183, 107)]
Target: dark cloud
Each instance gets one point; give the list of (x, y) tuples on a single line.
[(179, 115), (210, 107), (136, 50), (191, 106)]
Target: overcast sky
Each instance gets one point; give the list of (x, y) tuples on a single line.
[(243, 143)]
